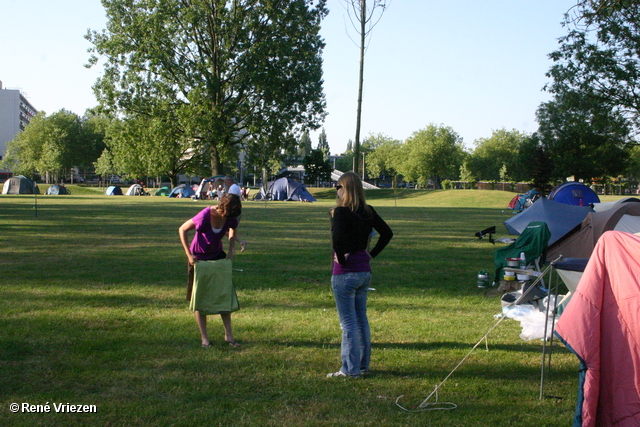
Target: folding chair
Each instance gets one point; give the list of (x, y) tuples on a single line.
[(533, 242)]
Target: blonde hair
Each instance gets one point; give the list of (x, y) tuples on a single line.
[(352, 192)]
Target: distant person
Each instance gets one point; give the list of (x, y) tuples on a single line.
[(211, 225), (352, 223), (232, 188)]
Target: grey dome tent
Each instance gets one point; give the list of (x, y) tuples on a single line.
[(136, 190), (581, 241), (56, 190), (286, 189), (113, 191), (561, 218), (574, 193), (20, 184)]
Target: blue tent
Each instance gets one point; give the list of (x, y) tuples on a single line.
[(574, 193), (113, 191), (286, 189), (182, 190), (561, 218)]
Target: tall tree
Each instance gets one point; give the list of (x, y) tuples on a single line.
[(490, 154), (385, 158), (435, 152), (151, 146), (541, 167), (243, 72), (364, 14), (323, 144), (582, 137), (317, 167), (52, 145), (599, 58), (304, 145)]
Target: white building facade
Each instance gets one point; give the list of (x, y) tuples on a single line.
[(15, 114)]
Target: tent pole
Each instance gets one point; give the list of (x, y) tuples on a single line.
[(553, 287)]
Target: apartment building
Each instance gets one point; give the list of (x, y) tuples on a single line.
[(15, 114)]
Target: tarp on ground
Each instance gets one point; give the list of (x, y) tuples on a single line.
[(182, 191), (20, 184), (287, 189), (561, 218), (579, 243), (601, 325), (574, 193), (113, 191), (56, 190)]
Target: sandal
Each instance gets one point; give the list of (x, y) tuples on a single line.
[(234, 344), (207, 345)]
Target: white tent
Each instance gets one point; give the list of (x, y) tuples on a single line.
[(136, 190)]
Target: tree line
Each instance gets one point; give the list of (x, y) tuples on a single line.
[(189, 87)]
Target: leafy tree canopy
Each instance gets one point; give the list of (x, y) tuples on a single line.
[(491, 154), (434, 152), (582, 137), (52, 145), (227, 73), (599, 58), (386, 158)]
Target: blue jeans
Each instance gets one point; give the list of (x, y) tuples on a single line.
[(350, 292)]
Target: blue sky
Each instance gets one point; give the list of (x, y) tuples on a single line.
[(476, 66)]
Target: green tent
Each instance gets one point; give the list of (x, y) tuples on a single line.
[(164, 191)]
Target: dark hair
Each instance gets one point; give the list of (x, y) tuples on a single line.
[(230, 206)]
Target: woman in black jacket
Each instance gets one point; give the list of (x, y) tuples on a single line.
[(352, 223)]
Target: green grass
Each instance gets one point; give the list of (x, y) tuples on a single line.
[(93, 312)]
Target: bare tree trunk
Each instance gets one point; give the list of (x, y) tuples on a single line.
[(363, 34)]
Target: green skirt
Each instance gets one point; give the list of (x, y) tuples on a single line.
[(213, 291)]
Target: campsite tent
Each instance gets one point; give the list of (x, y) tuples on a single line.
[(523, 201), (600, 325), (113, 191), (579, 243), (286, 189), (560, 218), (20, 185), (598, 207), (574, 193), (203, 188), (55, 190), (136, 190), (182, 191), (164, 191)]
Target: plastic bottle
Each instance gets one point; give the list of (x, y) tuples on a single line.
[(523, 262)]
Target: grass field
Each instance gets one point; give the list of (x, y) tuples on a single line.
[(93, 312)]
